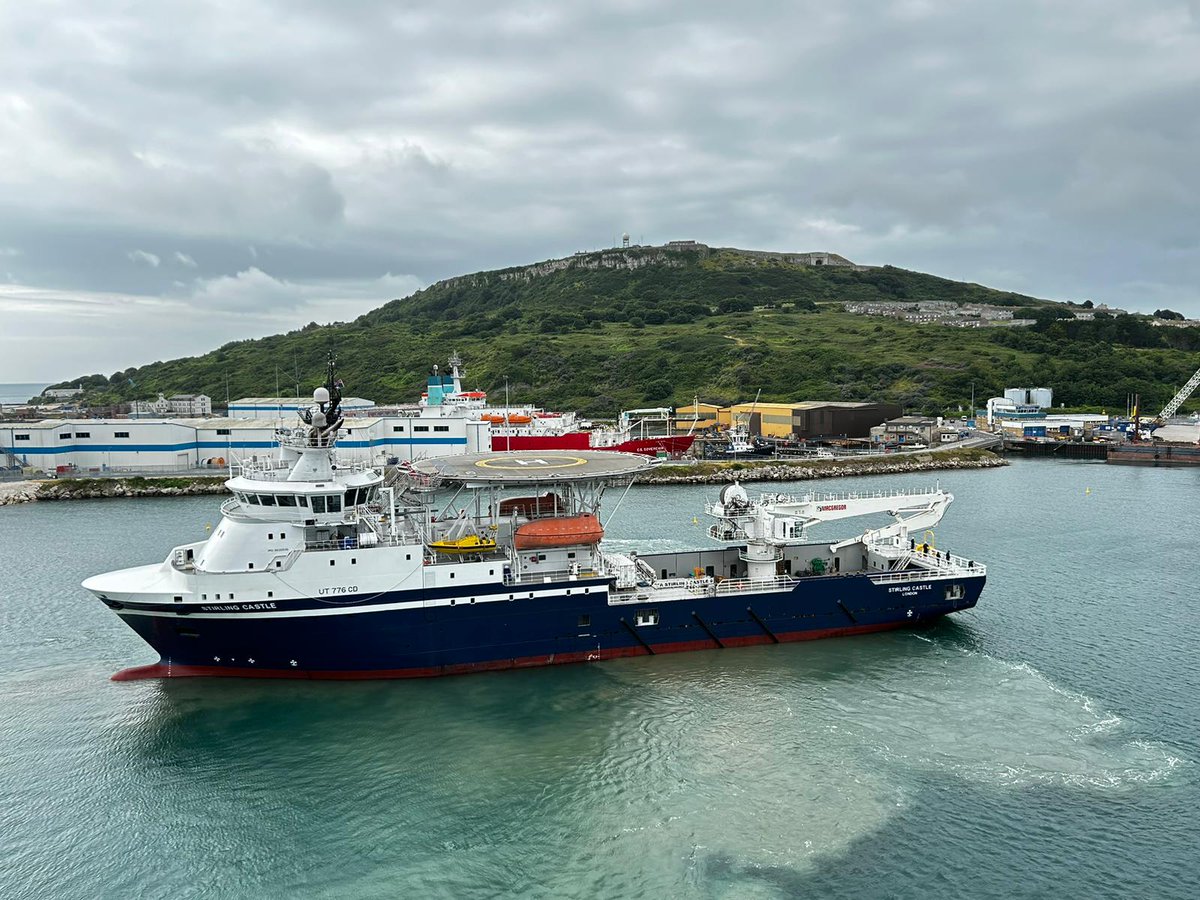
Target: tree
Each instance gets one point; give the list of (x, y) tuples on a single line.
[(1168, 314)]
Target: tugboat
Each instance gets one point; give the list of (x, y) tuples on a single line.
[(497, 560)]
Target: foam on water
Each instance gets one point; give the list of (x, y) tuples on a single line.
[(995, 721)]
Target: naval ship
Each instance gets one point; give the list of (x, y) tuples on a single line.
[(320, 569)]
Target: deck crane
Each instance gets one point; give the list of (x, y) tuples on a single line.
[(1177, 401), (774, 521)]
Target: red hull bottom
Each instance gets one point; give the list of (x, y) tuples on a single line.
[(170, 670)]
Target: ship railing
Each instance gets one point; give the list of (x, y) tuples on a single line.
[(665, 589), (932, 574), (719, 511), (546, 576), (356, 542), (723, 531), (842, 496), (910, 552), (305, 439), (755, 585), (932, 567)]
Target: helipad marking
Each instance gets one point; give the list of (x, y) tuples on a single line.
[(539, 462)]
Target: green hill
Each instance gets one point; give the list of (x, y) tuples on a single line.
[(632, 327)]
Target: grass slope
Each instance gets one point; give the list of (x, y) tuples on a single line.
[(630, 328)]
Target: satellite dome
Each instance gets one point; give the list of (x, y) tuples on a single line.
[(321, 395)]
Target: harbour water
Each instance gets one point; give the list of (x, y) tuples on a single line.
[(1044, 743), (20, 392)]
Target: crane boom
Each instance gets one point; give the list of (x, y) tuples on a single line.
[(1177, 401), (780, 519)]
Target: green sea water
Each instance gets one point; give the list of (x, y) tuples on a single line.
[(1042, 744)]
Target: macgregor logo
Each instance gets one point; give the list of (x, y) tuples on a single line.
[(831, 506)]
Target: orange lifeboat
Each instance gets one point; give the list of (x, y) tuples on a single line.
[(518, 419), (563, 532), (493, 419)]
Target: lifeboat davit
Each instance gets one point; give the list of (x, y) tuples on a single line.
[(530, 507), (567, 531)]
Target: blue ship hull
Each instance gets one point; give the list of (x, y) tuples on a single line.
[(395, 636)]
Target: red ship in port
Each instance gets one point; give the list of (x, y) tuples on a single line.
[(561, 431), (671, 445), (529, 428)]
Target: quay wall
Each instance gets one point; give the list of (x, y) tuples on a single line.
[(15, 492), (784, 470)]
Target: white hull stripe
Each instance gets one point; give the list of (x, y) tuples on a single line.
[(255, 612)]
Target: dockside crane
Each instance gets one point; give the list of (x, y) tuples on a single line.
[(1178, 400)]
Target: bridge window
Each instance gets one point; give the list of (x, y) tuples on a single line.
[(287, 500), (268, 500), (318, 504), (253, 498), (303, 501), (333, 503)]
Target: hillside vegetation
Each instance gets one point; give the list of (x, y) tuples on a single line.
[(647, 326)]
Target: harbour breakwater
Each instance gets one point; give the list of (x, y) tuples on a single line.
[(13, 493), (96, 488), (789, 470)]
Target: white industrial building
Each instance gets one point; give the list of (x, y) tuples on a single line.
[(182, 405), (287, 407), (96, 446), (1041, 398)]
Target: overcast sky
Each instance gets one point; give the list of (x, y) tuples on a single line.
[(175, 176)]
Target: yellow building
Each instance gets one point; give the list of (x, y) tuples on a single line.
[(766, 419), (699, 416)]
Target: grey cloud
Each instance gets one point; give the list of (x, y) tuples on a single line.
[(1026, 144), (144, 258)]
